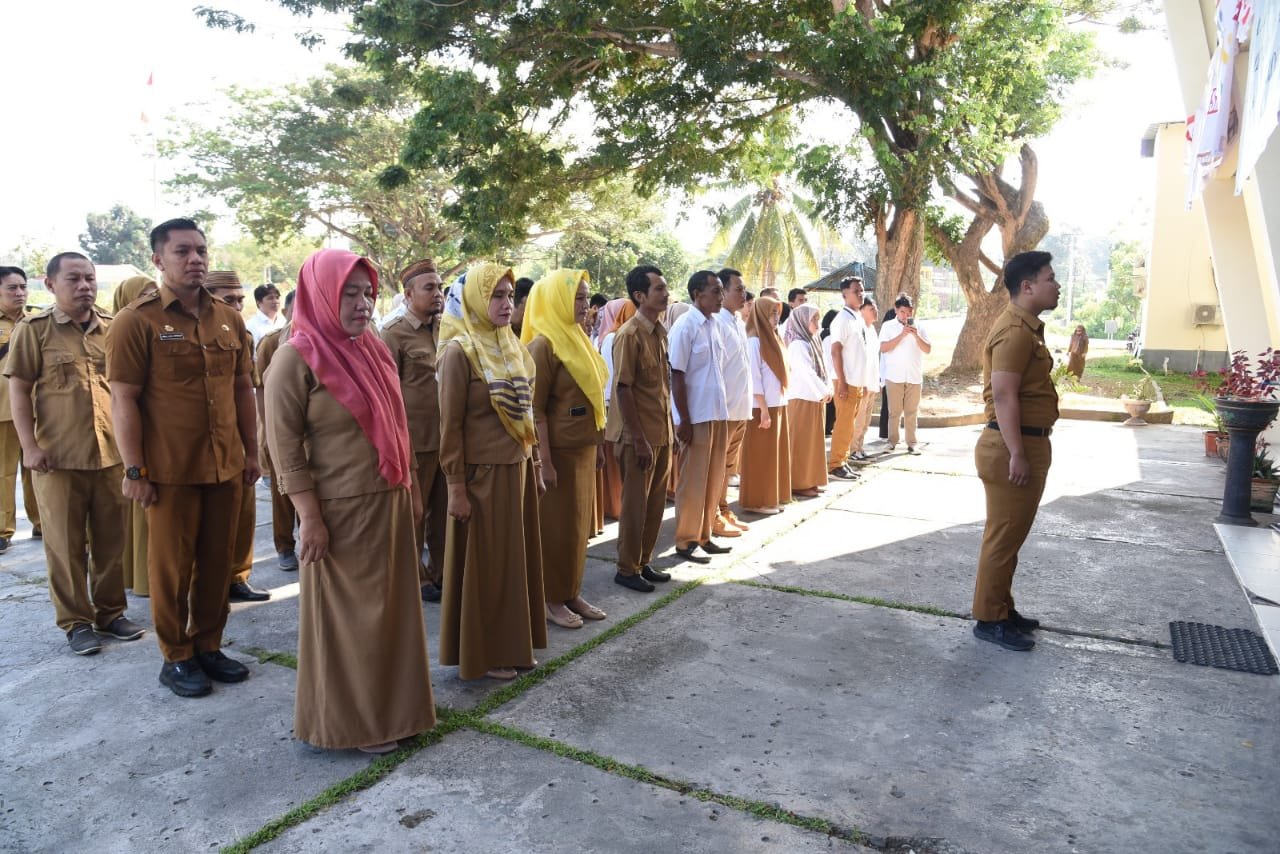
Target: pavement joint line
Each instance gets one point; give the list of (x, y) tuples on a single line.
[(640, 774)]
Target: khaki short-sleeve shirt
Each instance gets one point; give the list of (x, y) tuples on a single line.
[(413, 347), (7, 325), (640, 362), (187, 367), (560, 402), (67, 367), (1016, 344)]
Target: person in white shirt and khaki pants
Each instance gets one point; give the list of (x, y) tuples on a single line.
[(904, 345)]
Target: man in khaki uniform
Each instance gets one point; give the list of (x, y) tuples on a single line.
[(1013, 453), (13, 299), (412, 338), (62, 412), (283, 515), (639, 428), (226, 286), (182, 405)]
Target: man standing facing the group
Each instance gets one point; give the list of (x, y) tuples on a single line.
[(182, 405), (62, 413), (226, 286), (904, 345), (848, 353), (412, 340), (737, 386), (13, 299), (1013, 453), (697, 390), (639, 428)]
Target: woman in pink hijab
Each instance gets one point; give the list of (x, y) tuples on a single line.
[(339, 439)]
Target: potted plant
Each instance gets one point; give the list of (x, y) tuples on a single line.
[(1138, 401), (1266, 480), (1246, 400), (1217, 440)]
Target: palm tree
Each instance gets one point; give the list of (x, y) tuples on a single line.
[(773, 226)]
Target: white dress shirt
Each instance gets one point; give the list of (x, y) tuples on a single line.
[(695, 346), (763, 379), (904, 363), (871, 379), (259, 325), (606, 352), (848, 328), (805, 383), (737, 365)]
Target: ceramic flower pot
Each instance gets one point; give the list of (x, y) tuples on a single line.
[(1212, 440), (1263, 494), (1136, 409), (1244, 419)]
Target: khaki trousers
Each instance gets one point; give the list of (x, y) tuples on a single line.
[(842, 433), (10, 462), (736, 432), (1010, 512), (435, 513), (83, 510), (644, 499), (246, 527), (904, 403), (860, 424), (283, 517), (701, 479), (190, 533)]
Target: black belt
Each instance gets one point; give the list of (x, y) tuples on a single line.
[(1025, 430)]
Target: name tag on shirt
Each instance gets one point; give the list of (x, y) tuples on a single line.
[(577, 411), (173, 336)]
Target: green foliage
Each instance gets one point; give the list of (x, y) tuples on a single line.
[(1120, 302), (118, 236), (1264, 467), (1065, 381), (258, 263)]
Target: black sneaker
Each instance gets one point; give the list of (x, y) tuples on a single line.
[(633, 582), (648, 573), (122, 628), (288, 561), (430, 593), (713, 548), (1021, 623), (185, 678), (688, 554), (83, 641), (1003, 634), (37, 534), (221, 668), (842, 473), (4, 545)]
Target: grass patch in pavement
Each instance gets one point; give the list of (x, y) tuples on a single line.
[(266, 656), (862, 600)]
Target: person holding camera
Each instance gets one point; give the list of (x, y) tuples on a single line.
[(904, 345)]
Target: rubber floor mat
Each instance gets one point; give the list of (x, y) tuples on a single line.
[(1228, 649)]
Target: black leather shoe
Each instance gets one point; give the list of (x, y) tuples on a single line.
[(688, 555), (1021, 623), (1003, 634), (4, 545), (221, 668), (634, 582), (648, 573), (242, 592), (712, 548), (185, 678), (430, 593)]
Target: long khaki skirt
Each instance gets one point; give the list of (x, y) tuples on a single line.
[(565, 519), (765, 479), (363, 676), (808, 448), (492, 609), (135, 550)]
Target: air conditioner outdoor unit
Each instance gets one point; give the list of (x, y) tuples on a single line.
[(1206, 315)]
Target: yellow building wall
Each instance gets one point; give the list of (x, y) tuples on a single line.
[(1179, 270)]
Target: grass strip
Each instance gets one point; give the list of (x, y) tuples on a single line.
[(544, 670), (848, 597), (340, 791), (760, 809), (266, 656)]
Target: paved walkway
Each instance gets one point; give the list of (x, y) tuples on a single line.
[(817, 689)]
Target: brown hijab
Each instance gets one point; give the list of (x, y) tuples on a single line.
[(763, 324)]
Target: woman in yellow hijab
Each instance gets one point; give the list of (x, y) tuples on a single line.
[(135, 529), (492, 614), (569, 411)]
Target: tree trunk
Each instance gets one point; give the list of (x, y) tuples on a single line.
[(899, 254), (973, 334)]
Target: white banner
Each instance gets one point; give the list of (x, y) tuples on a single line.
[(1261, 110)]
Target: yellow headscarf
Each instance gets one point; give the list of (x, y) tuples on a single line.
[(550, 314), (493, 351), (128, 291)]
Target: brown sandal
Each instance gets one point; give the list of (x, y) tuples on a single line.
[(502, 674)]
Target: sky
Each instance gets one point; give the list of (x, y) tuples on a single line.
[(78, 94)]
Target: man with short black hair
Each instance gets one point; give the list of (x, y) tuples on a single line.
[(182, 406), (62, 413), (903, 345), (519, 301), (267, 299), (848, 354), (1013, 454), (737, 386), (13, 300)]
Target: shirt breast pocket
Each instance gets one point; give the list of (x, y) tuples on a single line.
[(179, 360), (222, 355), (59, 370)]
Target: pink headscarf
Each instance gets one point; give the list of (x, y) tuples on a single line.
[(358, 372)]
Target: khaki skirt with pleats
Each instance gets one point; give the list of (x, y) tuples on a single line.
[(765, 478), (808, 448)]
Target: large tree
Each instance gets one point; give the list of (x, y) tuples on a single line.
[(118, 236)]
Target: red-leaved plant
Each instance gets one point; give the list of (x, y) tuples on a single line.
[(1242, 381)]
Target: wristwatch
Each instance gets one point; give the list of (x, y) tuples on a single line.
[(135, 472)]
